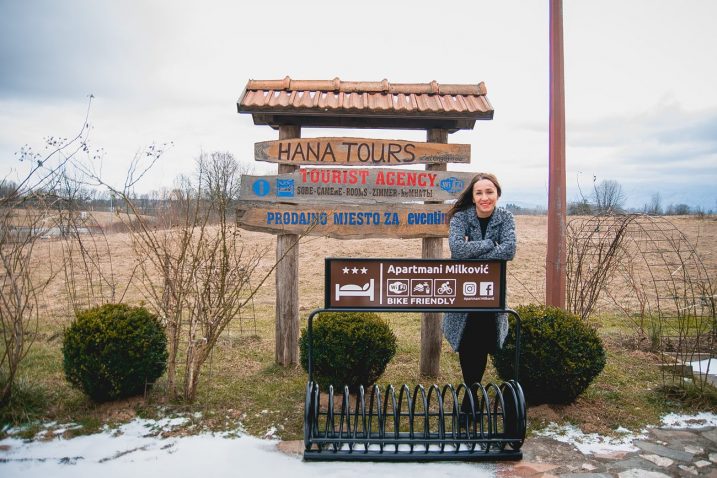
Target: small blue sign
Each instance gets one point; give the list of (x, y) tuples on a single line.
[(261, 187), (452, 184), (285, 188)]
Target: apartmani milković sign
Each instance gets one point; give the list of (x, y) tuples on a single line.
[(414, 284), (348, 197)]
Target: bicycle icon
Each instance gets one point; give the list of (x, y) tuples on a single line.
[(446, 287)]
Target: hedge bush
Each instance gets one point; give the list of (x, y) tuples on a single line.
[(113, 351), (559, 355), (349, 348)]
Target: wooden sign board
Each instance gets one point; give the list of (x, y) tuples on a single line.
[(408, 284), (359, 152), (346, 222), (355, 185)]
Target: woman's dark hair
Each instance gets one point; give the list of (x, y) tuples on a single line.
[(466, 198)]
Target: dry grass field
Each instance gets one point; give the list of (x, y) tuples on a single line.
[(241, 383)]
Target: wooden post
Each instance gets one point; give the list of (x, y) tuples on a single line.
[(555, 261), (286, 342), (432, 247)]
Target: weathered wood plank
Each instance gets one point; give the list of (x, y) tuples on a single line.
[(355, 185), (286, 342), (339, 151), (346, 222), (432, 247)]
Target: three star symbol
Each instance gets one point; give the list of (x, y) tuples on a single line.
[(355, 270)]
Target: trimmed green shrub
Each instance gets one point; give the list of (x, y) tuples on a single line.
[(349, 348), (559, 355), (113, 351)]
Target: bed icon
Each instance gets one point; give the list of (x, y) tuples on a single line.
[(355, 290)]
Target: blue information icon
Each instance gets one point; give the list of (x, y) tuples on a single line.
[(285, 188), (452, 184), (261, 187)]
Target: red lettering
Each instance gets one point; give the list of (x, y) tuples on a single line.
[(401, 178), (364, 174)]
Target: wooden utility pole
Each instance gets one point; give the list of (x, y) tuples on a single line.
[(287, 280), (556, 256), (432, 247)]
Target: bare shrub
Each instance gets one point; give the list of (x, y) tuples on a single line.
[(192, 265), (26, 219), (594, 250), (653, 273), (87, 265)]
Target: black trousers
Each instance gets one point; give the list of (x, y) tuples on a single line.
[(479, 340)]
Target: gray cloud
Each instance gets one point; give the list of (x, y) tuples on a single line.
[(65, 49), (669, 126)]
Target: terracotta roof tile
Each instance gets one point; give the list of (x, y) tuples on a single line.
[(271, 100)]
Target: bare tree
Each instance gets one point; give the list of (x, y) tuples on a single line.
[(21, 226), (608, 197), (88, 267), (25, 219), (192, 264), (654, 207)]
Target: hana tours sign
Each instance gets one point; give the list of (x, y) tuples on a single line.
[(359, 152), (353, 202)]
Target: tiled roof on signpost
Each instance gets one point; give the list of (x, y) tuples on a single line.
[(336, 103)]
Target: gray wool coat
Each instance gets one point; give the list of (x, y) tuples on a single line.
[(467, 242)]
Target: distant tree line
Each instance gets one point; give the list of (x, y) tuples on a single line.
[(608, 197), (72, 195), (525, 211)]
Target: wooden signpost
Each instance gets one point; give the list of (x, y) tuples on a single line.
[(354, 185), (346, 197), (359, 152), (346, 221)]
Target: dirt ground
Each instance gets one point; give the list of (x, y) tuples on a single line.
[(525, 284), (526, 273)]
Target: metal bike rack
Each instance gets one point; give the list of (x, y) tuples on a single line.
[(419, 423)]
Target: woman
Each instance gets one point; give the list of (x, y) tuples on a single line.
[(478, 230)]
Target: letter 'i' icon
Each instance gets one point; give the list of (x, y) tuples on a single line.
[(261, 187)]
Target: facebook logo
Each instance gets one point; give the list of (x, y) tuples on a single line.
[(486, 289)]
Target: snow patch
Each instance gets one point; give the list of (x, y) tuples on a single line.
[(137, 449), (698, 420), (591, 443)]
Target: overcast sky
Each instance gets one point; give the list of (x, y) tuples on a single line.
[(641, 76)]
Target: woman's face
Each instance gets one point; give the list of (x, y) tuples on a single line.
[(485, 197)]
